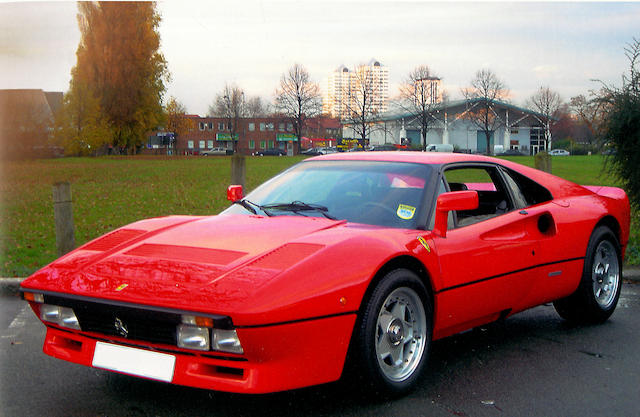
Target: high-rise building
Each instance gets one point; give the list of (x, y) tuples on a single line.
[(367, 84)]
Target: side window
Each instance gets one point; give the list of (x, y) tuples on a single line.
[(526, 189), (493, 197), (520, 200)]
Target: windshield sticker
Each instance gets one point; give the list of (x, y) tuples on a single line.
[(424, 243), (406, 212)]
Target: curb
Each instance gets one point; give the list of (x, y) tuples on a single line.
[(12, 285)]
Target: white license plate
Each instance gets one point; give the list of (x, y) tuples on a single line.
[(133, 361)]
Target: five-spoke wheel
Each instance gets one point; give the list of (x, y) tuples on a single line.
[(394, 334), (400, 334), (597, 295)]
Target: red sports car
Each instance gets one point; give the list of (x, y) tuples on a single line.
[(346, 261)]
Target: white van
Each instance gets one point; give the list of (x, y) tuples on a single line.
[(439, 147)]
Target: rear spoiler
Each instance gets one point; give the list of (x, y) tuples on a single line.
[(611, 192)]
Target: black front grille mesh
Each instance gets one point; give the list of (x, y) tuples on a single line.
[(123, 321)]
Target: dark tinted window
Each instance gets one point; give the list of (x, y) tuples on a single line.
[(532, 192)]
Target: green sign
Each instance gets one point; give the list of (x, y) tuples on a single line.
[(226, 136), (286, 137)]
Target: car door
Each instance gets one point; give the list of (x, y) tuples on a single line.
[(550, 222), (487, 255)]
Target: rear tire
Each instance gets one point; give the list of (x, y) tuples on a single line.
[(597, 295), (393, 339)]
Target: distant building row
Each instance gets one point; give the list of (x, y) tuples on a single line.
[(253, 135)]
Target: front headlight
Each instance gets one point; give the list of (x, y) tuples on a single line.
[(62, 316), (192, 337), (199, 333), (226, 341)]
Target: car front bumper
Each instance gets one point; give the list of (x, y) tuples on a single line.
[(276, 357)]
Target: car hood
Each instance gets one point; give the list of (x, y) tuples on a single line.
[(209, 264)]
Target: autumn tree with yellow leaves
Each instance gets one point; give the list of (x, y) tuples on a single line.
[(119, 78)]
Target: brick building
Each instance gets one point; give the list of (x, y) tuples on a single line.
[(253, 134)]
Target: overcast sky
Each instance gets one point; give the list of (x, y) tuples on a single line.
[(251, 43)]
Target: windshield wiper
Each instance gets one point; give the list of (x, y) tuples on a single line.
[(297, 207), (249, 205)]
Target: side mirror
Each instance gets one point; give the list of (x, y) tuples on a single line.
[(454, 201), (234, 193)]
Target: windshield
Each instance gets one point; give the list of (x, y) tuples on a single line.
[(378, 193)]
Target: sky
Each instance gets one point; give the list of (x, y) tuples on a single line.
[(252, 43)]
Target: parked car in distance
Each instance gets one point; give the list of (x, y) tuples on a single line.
[(312, 152), (559, 152), (272, 152), (440, 147), (385, 147), (328, 150), (511, 152), (217, 151)]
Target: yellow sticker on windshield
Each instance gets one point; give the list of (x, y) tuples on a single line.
[(405, 212)]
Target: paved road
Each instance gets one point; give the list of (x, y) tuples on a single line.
[(533, 364)]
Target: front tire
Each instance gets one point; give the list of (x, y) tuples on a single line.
[(597, 295), (394, 336)]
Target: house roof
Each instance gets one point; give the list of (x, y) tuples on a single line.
[(19, 107)]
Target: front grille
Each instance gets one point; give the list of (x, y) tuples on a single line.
[(129, 326), (123, 321)]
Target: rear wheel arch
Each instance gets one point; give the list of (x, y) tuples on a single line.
[(612, 224)]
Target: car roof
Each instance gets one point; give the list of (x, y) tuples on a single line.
[(557, 186), (431, 158)]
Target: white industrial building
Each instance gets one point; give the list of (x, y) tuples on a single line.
[(519, 128)]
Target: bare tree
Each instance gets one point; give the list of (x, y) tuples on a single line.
[(361, 103), (547, 103), (419, 96), (485, 91), (256, 107), (298, 99), (230, 104), (592, 111)]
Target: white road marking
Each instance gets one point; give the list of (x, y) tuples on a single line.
[(18, 322)]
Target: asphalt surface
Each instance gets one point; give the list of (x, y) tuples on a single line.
[(534, 363)]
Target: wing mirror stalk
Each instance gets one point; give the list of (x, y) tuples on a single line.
[(453, 201), (235, 193)]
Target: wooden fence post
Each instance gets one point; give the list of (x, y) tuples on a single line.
[(542, 161), (63, 216), (238, 170)]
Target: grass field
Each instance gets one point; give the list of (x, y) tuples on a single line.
[(113, 191)]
